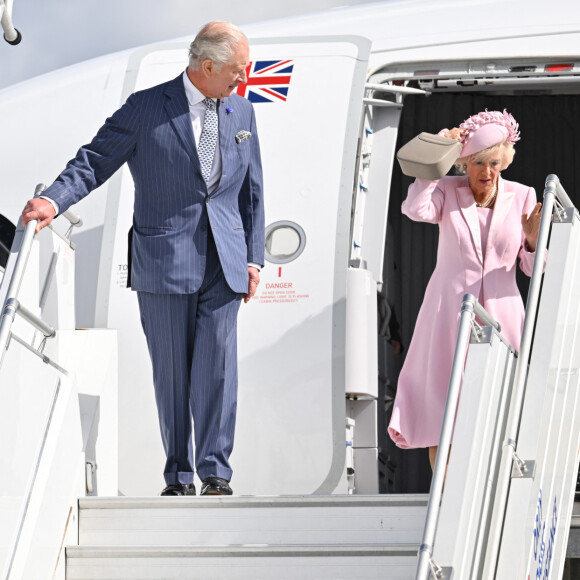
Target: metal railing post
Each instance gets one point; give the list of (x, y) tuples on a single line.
[(9, 309), (469, 308), (22, 259)]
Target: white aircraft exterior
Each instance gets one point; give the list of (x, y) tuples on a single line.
[(328, 116)]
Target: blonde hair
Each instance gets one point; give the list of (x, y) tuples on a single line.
[(505, 150)]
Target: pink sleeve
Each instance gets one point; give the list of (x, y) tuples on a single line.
[(424, 201)]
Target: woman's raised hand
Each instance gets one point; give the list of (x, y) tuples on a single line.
[(455, 133), (531, 226)]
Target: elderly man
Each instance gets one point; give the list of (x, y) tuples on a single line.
[(198, 241)]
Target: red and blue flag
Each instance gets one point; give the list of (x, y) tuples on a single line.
[(268, 81)]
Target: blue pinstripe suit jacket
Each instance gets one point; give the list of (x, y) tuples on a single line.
[(152, 132)]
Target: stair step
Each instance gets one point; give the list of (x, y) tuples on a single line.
[(289, 520), (370, 562)]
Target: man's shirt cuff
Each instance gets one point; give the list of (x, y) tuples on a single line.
[(54, 204)]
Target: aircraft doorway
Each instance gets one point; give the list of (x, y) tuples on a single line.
[(549, 144)]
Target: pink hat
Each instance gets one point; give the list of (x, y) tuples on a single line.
[(487, 129)]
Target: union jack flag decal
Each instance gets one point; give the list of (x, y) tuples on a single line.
[(268, 81)]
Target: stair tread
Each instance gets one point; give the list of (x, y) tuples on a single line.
[(248, 562), (255, 520), (240, 550), (335, 501)]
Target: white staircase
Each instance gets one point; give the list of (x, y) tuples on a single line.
[(57, 387), (509, 488), (234, 538)]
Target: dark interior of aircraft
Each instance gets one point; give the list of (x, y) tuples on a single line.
[(549, 144), (7, 231)]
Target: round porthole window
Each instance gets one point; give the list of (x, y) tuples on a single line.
[(285, 241)]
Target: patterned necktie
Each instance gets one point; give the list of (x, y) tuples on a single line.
[(208, 138)]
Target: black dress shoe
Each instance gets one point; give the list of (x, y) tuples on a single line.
[(215, 486), (179, 489)]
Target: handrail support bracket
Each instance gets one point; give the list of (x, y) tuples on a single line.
[(440, 573), (523, 469)]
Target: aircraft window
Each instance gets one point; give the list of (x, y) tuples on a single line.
[(285, 241)]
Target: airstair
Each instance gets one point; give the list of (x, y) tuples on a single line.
[(510, 485), (57, 385), (505, 510)]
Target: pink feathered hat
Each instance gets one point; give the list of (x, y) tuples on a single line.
[(487, 129)]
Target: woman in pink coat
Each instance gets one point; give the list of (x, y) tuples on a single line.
[(485, 224)]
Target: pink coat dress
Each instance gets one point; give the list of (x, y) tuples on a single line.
[(461, 268)]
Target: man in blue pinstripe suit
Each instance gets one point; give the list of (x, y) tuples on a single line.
[(198, 241)]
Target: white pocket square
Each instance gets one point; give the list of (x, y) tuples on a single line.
[(242, 136)]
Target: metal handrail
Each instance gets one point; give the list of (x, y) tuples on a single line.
[(22, 259), (553, 191), (11, 304), (11, 34), (469, 309), (554, 186), (74, 219), (483, 314), (8, 314)]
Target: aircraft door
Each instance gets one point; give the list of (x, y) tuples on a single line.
[(291, 425)]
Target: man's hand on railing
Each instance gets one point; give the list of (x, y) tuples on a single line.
[(38, 209)]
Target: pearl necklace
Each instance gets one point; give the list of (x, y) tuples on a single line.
[(489, 200)]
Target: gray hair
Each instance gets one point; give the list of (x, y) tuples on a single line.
[(216, 41), (504, 149)]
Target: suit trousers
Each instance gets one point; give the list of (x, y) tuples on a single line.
[(192, 341)]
